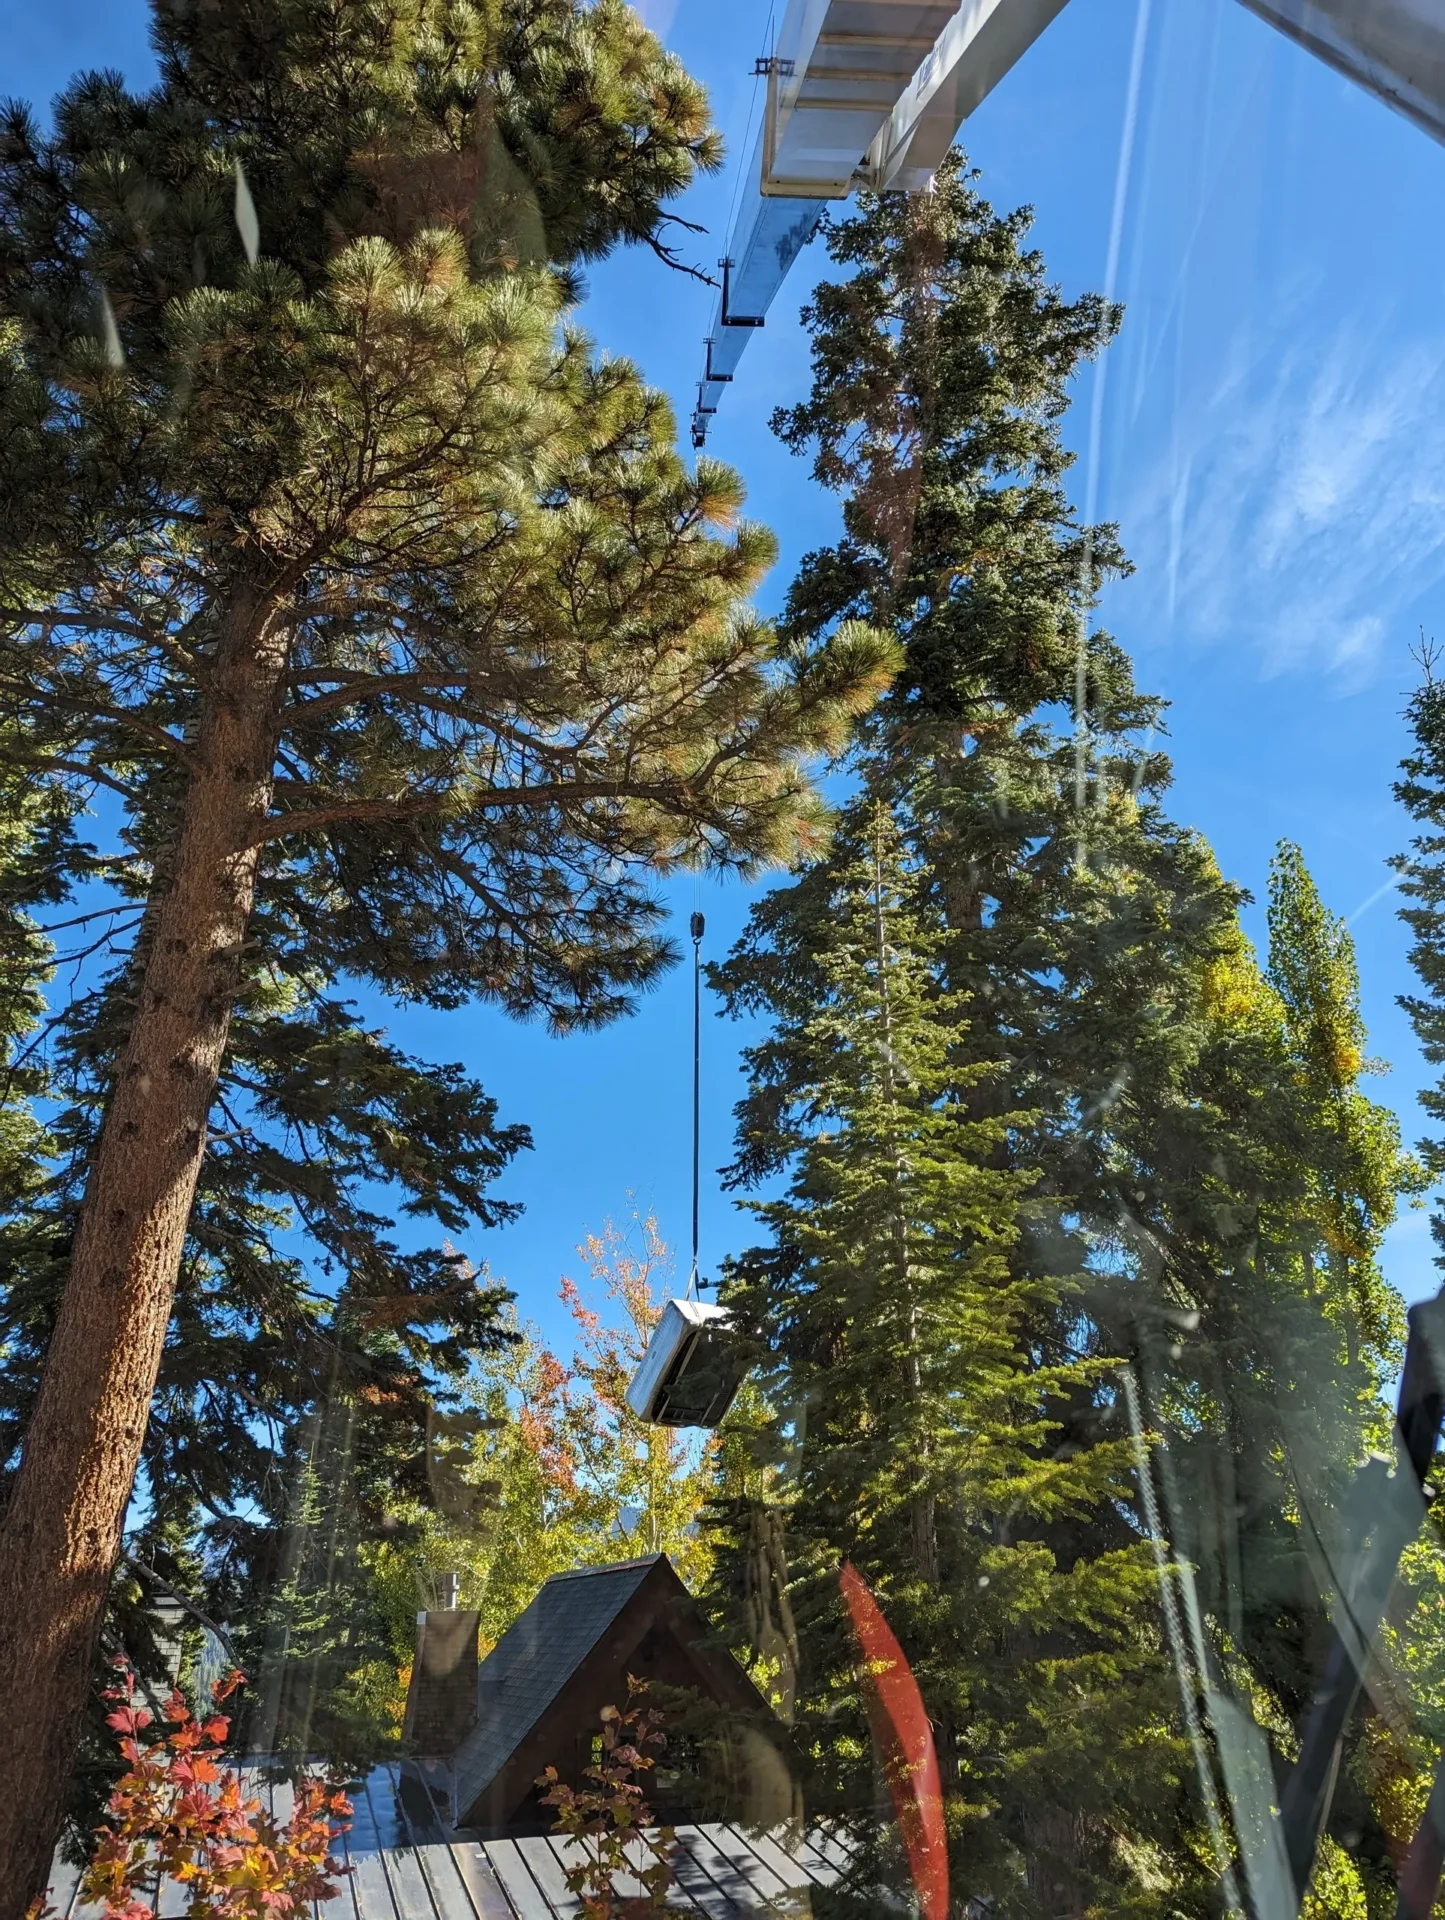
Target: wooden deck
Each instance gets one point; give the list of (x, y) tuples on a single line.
[(404, 1866)]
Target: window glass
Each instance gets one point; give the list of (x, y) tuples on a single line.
[(722, 904)]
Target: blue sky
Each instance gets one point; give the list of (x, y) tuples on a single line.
[(1269, 431)]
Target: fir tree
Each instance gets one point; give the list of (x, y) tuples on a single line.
[(956, 351), (941, 371), (1187, 1169), (386, 613), (940, 1411), (922, 1379), (1422, 793)]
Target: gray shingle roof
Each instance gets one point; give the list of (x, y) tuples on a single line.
[(535, 1658)]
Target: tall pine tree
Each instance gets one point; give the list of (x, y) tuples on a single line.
[(1190, 1175), (384, 612), (922, 1378)]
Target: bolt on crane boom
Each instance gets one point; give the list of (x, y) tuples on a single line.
[(873, 92)]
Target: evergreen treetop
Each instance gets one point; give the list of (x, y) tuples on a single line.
[(941, 373)]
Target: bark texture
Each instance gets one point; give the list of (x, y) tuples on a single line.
[(62, 1529)]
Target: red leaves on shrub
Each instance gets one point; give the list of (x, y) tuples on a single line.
[(611, 1819), (178, 1813)]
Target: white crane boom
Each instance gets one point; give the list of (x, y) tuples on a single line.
[(972, 54), (1395, 49), (873, 93)]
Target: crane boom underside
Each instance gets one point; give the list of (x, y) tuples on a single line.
[(873, 93)]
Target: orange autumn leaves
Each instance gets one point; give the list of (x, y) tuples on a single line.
[(179, 1813)]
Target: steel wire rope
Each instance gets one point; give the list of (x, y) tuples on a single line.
[(697, 926)]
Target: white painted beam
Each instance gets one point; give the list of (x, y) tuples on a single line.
[(978, 46), (768, 235), (877, 90), (857, 89), (1395, 49), (839, 67), (836, 73)]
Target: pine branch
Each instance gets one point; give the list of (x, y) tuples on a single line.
[(42, 763), (669, 256), (127, 717), (680, 798)]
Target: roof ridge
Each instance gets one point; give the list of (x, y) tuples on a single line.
[(613, 1566)]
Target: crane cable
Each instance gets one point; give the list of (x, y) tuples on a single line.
[(697, 927)]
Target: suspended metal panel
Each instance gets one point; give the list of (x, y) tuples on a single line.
[(691, 1371), (1393, 48)]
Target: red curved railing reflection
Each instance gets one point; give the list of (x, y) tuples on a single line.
[(904, 1739)]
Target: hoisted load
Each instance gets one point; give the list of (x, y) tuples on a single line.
[(691, 1371)]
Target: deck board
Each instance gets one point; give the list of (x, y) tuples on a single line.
[(448, 1889), (809, 1854), (625, 1885), (641, 1856), (738, 1871), (517, 1881), (823, 1840), (479, 1877), (547, 1866), (255, 1786), (693, 1868), (370, 1888), (410, 1892), (781, 1859), (343, 1907)]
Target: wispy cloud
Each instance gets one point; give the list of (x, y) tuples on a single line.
[(1373, 899), (1300, 509)]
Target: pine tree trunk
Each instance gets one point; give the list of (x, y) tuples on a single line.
[(62, 1529), (923, 1510), (1053, 1867)]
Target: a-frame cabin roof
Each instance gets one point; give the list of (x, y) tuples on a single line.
[(536, 1657), (541, 1688)]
